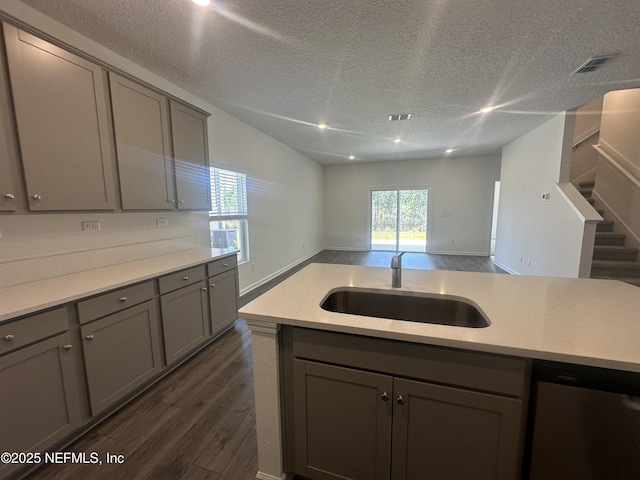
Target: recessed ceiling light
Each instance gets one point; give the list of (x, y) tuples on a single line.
[(352, 157), (322, 126), (399, 116), (397, 140), (450, 150), (202, 3), (487, 109)]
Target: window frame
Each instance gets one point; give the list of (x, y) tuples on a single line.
[(239, 213)]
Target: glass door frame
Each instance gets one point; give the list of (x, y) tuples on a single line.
[(397, 189)]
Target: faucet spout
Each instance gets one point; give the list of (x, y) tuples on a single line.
[(396, 270)]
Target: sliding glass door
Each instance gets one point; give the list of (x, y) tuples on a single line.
[(399, 220)]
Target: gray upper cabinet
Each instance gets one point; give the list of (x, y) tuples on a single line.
[(191, 157), (8, 194), (61, 107), (143, 145)]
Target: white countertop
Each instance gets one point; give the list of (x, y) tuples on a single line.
[(583, 321), (31, 297)]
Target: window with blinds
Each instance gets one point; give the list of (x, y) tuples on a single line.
[(228, 218)]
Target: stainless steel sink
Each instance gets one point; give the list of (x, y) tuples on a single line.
[(424, 309)]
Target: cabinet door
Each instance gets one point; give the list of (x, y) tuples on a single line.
[(121, 352), (185, 320), (342, 422), (444, 432), (39, 403), (61, 111), (143, 145), (223, 300), (191, 157), (8, 159)]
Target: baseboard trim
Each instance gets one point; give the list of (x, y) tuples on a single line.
[(468, 254), (505, 268), (266, 476), (268, 278)]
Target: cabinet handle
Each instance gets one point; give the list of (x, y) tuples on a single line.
[(185, 278), (213, 285), (225, 264), (123, 299), (9, 196), (91, 337), (384, 396), (400, 400), (67, 347), (36, 197), (171, 201), (8, 338), (180, 202), (204, 289)]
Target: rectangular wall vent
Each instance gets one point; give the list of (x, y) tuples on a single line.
[(399, 116), (593, 63)]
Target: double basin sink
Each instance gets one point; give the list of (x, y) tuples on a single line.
[(440, 310)]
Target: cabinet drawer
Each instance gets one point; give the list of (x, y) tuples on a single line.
[(28, 330), (181, 279), (222, 265), (463, 368), (112, 302)]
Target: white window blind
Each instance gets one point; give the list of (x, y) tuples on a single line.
[(228, 193)]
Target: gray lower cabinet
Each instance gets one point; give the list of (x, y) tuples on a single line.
[(185, 320), (363, 408), (223, 300), (353, 424), (453, 433), (39, 404), (342, 423), (61, 107), (121, 352)]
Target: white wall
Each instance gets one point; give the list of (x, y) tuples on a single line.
[(549, 233), (617, 191), (460, 200), (619, 128), (285, 198)]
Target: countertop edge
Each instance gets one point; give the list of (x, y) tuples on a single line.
[(29, 298)]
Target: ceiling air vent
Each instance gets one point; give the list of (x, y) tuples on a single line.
[(399, 116), (593, 63)]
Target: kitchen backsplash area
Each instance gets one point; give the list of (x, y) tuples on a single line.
[(34, 247)]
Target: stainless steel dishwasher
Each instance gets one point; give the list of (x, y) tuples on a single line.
[(585, 423)]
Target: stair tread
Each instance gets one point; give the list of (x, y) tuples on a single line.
[(626, 264), (615, 248), (590, 183), (611, 234)]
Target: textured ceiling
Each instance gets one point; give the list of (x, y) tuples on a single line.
[(284, 66)]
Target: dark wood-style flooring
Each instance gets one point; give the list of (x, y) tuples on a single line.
[(198, 423)]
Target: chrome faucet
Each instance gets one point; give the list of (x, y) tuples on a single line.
[(396, 270)]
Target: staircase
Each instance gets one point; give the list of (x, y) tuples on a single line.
[(611, 258)]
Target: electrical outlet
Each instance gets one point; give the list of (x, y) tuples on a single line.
[(162, 222), (253, 267), (90, 226)]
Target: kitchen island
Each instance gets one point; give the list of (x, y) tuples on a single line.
[(577, 321)]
